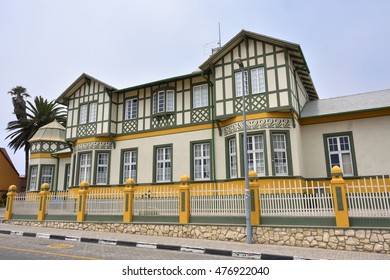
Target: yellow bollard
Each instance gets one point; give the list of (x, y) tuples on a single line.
[(81, 208), (10, 201), (255, 202), (184, 200), (42, 201), (340, 198), (128, 201)]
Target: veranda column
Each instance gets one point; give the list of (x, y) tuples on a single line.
[(10, 201), (254, 198), (184, 200), (42, 201), (128, 201), (339, 197), (82, 200)]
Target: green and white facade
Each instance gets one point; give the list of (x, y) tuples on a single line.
[(192, 124)]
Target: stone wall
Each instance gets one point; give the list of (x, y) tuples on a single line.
[(364, 240)]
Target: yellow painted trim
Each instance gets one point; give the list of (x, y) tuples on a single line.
[(40, 155), (92, 139), (164, 132), (258, 116), (345, 117), (67, 155)]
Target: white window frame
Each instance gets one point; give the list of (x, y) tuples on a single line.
[(47, 177), (163, 101), (202, 161), (238, 83), (85, 162), (233, 168), (83, 111), (257, 80), (129, 165), (131, 110), (200, 96), (163, 164), (92, 114), (343, 151), (102, 163), (256, 154), (67, 176), (88, 113), (33, 178), (280, 156)]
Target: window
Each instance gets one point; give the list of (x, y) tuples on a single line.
[(257, 81), (232, 158), (83, 113), (129, 165), (33, 178), (88, 113), (200, 96), (163, 164), (47, 174), (202, 161), (102, 168), (340, 153), (67, 176), (238, 77), (85, 168), (256, 157), (131, 110), (280, 154), (163, 101)]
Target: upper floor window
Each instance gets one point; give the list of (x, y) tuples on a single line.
[(88, 113), (163, 101), (200, 96), (257, 81), (131, 110)]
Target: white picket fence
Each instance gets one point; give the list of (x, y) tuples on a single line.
[(25, 204), (217, 200), (162, 201), (105, 202), (369, 199), (61, 203), (295, 199)]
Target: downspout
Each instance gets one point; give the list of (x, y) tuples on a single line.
[(211, 85)]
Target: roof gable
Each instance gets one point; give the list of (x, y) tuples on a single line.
[(293, 49), (84, 78)]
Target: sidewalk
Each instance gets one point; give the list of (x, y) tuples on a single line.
[(250, 251)]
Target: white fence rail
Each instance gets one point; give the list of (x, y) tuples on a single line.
[(163, 201), (105, 202), (61, 203), (217, 200), (295, 199), (370, 199), (25, 204)]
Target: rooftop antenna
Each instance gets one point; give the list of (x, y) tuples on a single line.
[(212, 44)]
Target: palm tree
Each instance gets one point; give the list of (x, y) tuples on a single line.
[(18, 94), (37, 114)]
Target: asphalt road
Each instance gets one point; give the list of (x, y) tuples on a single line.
[(28, 248)]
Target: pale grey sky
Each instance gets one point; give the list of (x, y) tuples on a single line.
[(46, 44)]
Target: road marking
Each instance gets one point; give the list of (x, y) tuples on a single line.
[(48, 253), (60, 246)]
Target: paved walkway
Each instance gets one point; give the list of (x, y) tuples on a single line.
[(255, 251)]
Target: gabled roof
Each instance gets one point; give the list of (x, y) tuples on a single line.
[(78, 83), (347, 104), (293, 49), (6, 156)]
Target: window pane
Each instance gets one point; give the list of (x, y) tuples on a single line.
[(129, 165), (347, 164), (47, 175), (85, 168), (83, 113), (131, 109), (33, 178), (163, 164), (238, 79), (202, 161), (170, 99), (200, 98), (161, 101), (258, 81), (232, 158), (255, 152), (280, 154), (102, 168), (92, 112)]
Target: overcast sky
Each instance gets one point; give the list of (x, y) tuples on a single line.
[(46, 44)]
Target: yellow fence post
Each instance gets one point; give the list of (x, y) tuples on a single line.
[(184, 200), (255, 202), (10, 201), (42, 201), (82, 200), (339, 197), (128, 201)]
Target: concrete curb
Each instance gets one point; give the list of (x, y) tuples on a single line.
[(198, 250)]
